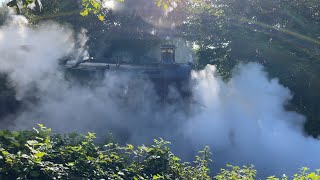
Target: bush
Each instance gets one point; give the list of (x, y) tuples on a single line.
[(39, 154)]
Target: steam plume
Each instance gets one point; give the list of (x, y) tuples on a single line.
[(245, 121)]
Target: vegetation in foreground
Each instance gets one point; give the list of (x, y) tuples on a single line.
[(40, 154)]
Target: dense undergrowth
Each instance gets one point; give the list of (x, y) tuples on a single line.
[(40, 154)]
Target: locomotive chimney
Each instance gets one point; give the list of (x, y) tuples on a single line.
[(168, 54)]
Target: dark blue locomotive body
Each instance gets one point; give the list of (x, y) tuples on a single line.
[(164, 74)]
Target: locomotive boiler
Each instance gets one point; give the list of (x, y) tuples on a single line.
[(164, 74)]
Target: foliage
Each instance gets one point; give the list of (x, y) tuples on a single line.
[(302, 175), (42, 155), (305, 175), (88, 6), (249, 173), (23, 4), (165, 4), (235, 172), (95, 7)]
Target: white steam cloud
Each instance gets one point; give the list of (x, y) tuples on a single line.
[(30, 56), (243, 120)]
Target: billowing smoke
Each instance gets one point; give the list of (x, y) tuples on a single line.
[(30, 56), (243, 120)]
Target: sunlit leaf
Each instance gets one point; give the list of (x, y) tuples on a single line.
[(84, 12), (101, 17), (165, 6), (40, 154)]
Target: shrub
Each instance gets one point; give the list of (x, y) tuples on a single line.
[(39, 154)]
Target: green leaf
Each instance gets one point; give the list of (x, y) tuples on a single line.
[(313, 176), (158, 176), (84, 12), (165, 6), (96, 5), (159, 3), (101, 17), (129, 147), (71, 164), (40, 154), (5, 153), (92, 135), (1, 133), (36, 130)]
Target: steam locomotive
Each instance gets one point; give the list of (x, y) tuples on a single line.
[(164, 74)]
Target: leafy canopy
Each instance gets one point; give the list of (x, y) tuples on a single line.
[(88, 6)]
